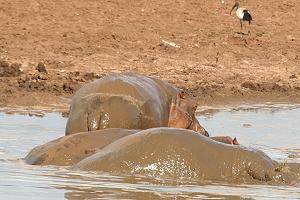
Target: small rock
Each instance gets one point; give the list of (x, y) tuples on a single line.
[(290, 38), (65, 114), (279, 87), (90, 76), (76, 73), (3, 64), (296, 87), (294, 155), (36, 114), (12, 70), (69, 87), (293, 76), (42, 77), (247, 125), (249, 85), (41, 68)]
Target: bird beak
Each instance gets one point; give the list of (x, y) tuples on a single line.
[(234, 6)]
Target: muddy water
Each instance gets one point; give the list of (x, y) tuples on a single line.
[(274, 129)]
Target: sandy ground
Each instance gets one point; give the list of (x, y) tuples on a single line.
[(48, 49)]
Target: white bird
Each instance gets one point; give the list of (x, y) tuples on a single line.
[(242, 13)]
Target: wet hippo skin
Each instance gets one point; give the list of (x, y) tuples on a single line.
[(69, 150), (184, 153), (130, 101), (225, 139)]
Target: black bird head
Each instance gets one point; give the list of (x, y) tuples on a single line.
[(236, 5)]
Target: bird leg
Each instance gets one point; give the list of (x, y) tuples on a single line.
[(249, 27), (241, 26)]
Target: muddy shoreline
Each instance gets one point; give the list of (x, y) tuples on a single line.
[(52, 90)]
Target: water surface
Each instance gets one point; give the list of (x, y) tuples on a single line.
[(273, 129)]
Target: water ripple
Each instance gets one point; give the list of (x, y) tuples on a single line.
[(20, 133)]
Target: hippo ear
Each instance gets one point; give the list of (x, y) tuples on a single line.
[(234, 141), (183, 94)]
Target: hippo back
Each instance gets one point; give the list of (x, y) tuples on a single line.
[(142, 102)]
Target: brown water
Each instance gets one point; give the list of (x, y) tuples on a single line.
[(274, 129)]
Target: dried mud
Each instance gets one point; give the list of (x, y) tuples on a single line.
[(50, 49)]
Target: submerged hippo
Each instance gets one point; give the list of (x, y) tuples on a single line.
[(69, 150), (184, 153), (131, 101), (161, 151)]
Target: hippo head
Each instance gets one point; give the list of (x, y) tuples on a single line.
[(182, 114), (226, 140)]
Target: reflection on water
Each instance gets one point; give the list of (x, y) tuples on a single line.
[(277, 133)]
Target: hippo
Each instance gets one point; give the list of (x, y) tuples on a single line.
[(225, 139), (131, 101), (69, 150), (183, 153)]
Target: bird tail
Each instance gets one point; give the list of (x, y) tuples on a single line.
[(247, 16)]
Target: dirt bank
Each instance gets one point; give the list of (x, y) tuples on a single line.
[(193, 44)]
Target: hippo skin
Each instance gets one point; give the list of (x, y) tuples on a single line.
[(130, 101), (163, 151), (184, 153), (69, 150)]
